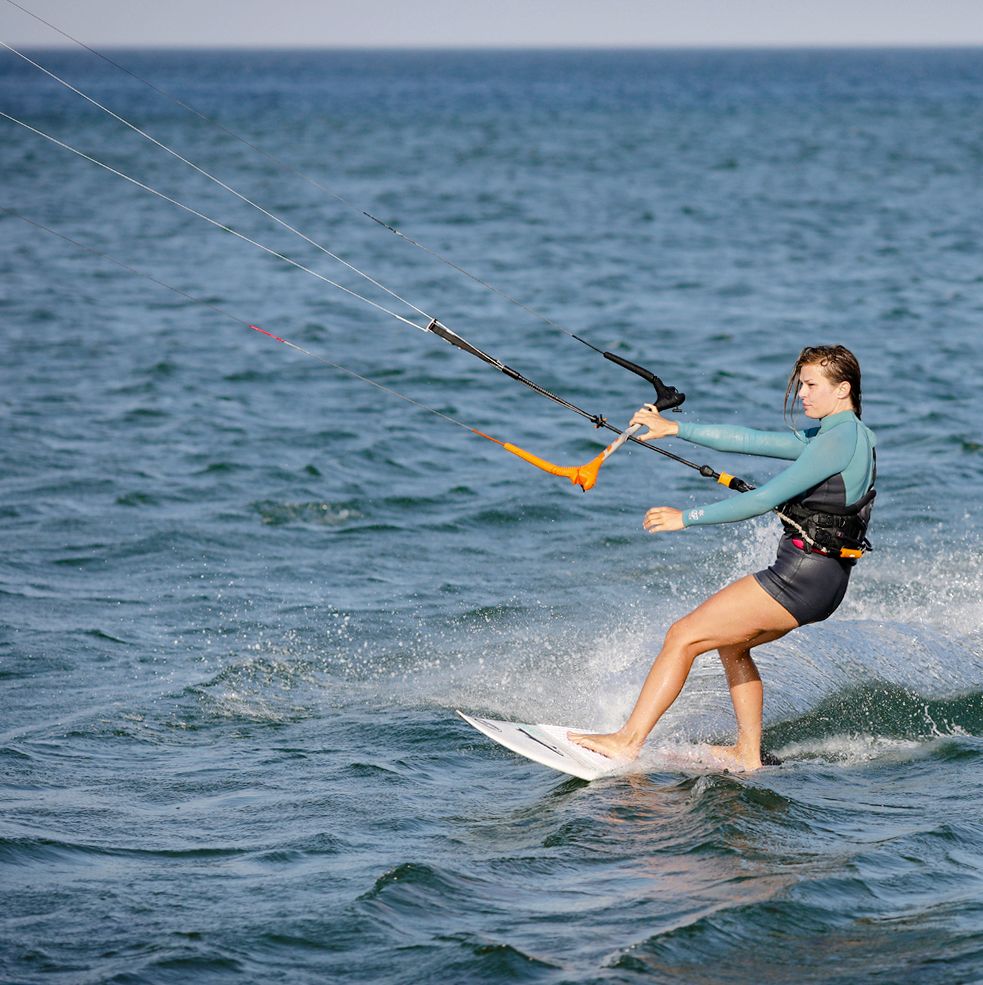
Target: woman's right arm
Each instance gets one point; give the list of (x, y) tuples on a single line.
[(722, 437), (744, 441)]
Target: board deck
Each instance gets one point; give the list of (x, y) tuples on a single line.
[(547, 745)]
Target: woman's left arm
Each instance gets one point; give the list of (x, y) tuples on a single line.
[(824, 456)]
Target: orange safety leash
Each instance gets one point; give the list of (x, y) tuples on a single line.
[(580, 475)]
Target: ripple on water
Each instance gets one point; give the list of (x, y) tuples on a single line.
[(313, 513)]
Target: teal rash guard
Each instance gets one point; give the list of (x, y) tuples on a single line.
[(841, 448)]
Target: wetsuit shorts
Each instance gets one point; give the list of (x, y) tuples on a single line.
[(810, 586)]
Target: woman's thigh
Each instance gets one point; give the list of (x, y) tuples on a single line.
[(742, 613)]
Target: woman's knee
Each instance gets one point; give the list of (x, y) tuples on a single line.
[(685, 636)]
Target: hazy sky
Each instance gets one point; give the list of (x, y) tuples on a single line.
[(536, 23)]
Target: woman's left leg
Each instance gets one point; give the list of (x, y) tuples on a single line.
[(746, 694), (743, 613)]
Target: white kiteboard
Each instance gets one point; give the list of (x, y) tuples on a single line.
[(547, 745)]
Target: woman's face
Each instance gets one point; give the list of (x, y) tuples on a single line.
[(820, 397)]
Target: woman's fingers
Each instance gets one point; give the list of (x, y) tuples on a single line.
[(662, 519), (658, 426)]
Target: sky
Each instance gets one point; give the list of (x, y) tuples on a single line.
[(495, 23)]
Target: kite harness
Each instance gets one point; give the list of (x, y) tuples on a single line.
[(839, 532)]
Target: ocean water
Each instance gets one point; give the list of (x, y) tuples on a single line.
[(242, 593)]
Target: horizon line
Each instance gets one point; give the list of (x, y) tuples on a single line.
[(522, 47)]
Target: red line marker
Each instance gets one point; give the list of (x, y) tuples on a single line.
[(270, 334)]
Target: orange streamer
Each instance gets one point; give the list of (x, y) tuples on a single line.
[(580, 475)]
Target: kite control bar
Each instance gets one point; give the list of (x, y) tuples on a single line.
[(666, 397)]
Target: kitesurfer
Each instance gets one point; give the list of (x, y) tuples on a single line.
[(824, 501)]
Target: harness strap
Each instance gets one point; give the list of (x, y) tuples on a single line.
[(851, 553)]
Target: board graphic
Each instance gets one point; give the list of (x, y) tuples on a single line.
[(547, 745)]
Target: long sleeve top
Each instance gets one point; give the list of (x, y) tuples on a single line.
[(841, 445)]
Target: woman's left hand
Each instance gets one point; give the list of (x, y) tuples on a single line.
[(662, 519)]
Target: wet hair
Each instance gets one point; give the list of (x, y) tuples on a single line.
[(838, 364)]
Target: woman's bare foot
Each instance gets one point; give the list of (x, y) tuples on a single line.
[(611, 744), (748, 761)]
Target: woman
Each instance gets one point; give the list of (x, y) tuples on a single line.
[(824, 501)]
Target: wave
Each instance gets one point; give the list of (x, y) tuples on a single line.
[(781, 940), (885, 710)]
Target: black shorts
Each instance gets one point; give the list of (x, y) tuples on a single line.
[(810, 586)]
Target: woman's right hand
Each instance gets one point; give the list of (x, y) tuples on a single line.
[(658, 426)]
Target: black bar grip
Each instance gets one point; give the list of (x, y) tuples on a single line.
[(666, 396)]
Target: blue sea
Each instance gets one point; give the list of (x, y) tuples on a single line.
[(243, 593)]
